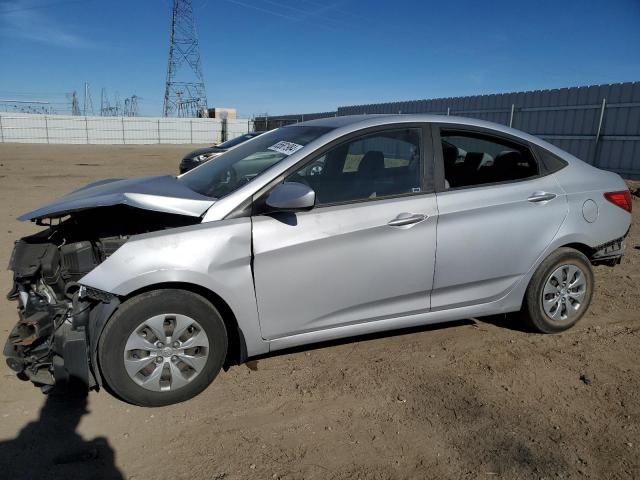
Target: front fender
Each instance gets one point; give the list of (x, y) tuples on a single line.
[(214, 255)]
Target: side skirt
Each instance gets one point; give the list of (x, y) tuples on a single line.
[(510, 303)]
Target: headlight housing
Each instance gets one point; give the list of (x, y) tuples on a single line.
[(205, 156)]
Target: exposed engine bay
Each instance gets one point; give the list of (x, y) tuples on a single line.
[(51, 343)]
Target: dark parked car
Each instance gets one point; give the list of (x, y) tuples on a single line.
[(198, 157)]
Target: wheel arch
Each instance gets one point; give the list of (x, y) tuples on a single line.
[(237, 349), (583, 248)]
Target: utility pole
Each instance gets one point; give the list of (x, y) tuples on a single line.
[(118, 108), (184, 94), (88, 104), (103, 103)]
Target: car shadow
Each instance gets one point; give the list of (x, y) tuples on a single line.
[(364, 338), (50, 447), (508, 321), (288, 218)]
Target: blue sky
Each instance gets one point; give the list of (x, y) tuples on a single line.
[(296, 56)]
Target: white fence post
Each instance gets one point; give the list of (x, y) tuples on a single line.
[(513, 109), (191, 129), (604, 105), (1, 131), (86, 128), (158, 130), (122, 122)]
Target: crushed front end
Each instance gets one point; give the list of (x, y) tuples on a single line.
[(49, 344), (55, 339)]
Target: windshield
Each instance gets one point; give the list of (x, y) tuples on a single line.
[(240, 165), (237, 141)]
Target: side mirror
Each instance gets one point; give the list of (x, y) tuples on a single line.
[(291, 197)]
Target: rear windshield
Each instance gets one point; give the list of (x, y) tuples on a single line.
[(237, 141), (240, 165)]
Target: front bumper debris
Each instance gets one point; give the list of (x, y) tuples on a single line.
[(49, 343)]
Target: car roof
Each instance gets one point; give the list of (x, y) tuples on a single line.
[(347, 123), (360, 121)]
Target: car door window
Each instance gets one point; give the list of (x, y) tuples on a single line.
[(380, 164), (475, 159)]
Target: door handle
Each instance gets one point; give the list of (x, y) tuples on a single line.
[(541, 197), (406, 219)]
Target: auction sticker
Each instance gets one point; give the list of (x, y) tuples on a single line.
[(286, 147)]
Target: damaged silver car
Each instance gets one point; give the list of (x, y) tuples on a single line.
[(312, 232)]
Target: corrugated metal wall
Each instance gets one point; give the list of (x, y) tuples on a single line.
[(599, 124), (264, 123)]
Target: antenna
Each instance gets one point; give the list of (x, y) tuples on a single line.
[(184, 93)]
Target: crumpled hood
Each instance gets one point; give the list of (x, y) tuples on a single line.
[(157, 193)]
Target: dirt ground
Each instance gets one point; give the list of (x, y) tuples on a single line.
[(475, 399)]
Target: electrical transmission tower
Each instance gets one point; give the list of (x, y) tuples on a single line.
[(184, 93), (75, 105), (88, 103), (106, 110), (131, 106)]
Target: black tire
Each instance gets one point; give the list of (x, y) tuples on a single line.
[(128, 317), (533, 313)]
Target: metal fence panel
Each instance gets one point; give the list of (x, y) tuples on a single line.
[(264, 123), (599, 124)]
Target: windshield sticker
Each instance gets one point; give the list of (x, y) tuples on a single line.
[(286, 147)]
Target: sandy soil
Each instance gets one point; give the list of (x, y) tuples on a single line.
[(474, 399)]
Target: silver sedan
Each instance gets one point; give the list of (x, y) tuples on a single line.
[(317, 231)]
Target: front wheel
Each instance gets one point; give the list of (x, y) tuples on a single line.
[(162, 347), (559, 292)]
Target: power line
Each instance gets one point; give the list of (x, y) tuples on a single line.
[(332, 7), (48, 5), (260, 9), (308, 14)]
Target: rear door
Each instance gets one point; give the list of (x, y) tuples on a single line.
[(498, 212), (365, 252)]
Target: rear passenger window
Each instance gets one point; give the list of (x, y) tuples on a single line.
[(382, 164), (549, 162), (474, 159)]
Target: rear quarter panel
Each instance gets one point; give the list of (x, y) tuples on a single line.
[(583, 183)]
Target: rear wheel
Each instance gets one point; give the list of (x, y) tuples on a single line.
[(559, 293), (162, 347)]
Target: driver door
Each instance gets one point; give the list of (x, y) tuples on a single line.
[(365, 252)]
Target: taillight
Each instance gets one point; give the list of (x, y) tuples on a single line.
[(620, 199)]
